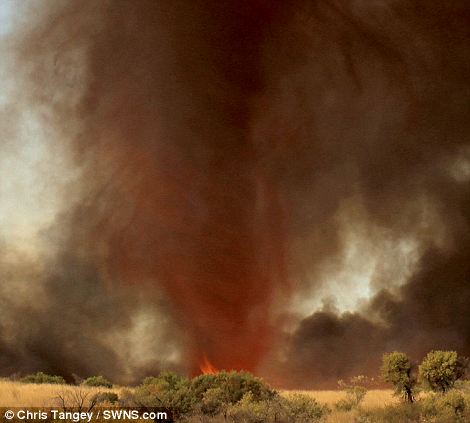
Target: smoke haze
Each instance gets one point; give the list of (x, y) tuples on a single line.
[(223, 161)]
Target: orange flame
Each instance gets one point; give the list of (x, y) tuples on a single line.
[(207, 368)]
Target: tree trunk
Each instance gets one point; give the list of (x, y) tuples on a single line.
[(409, 395)]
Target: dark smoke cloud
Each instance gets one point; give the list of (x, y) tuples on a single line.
[(60, 316), (225, 148), (428, 313), (372, 105)]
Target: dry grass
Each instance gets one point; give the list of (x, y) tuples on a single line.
[(15, 394), (374, 398)]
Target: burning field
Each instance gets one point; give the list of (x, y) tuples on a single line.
[(277, 187)]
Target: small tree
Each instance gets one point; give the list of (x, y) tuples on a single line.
[(441, 369), (355, 392), (397, 370)]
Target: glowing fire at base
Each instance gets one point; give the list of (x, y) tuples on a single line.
[(207, 368)]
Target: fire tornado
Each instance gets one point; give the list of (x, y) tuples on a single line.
[(229, 161)]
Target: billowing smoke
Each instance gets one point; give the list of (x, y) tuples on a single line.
[(225, 152), (372, 109)]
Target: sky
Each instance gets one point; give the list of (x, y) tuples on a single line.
[(32, 172), (6, 11)]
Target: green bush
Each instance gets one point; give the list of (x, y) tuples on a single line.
[(97, 381), (209, 395), (303, 408), (463, 386), (169, 379), (453, 401), (345, 404), (450, 405), (214, 401), (251, 411), (398, 413), (127, 398), (41, 378), (233, 385), (238, 396), (168, 390), (295, 408), (105, 398)]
